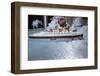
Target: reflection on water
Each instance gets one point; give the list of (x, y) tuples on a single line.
[(46, 49)]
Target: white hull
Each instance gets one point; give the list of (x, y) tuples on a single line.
[(57, 35)]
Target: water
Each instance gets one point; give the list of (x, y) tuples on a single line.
[(46, 49)]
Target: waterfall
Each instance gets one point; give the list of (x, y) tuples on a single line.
[(78, 25), (77, 22)]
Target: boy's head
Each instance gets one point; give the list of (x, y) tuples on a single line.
[(62, 21)]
